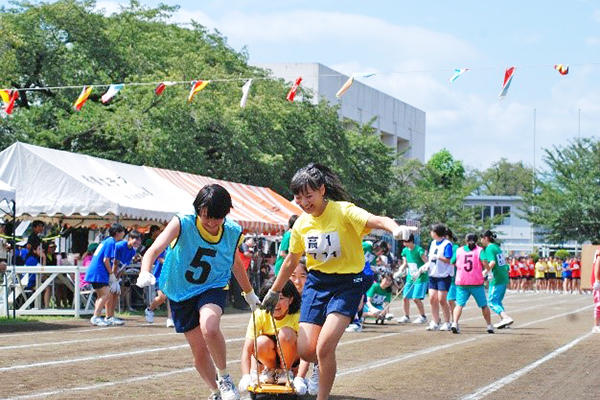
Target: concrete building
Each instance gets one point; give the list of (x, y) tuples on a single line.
[(400, 125)]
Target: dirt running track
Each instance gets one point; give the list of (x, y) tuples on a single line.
[(548, 353)]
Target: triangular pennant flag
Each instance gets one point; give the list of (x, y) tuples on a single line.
[(5, 96), (196, 87), (508, 76), (345, 87), (457, 72), (10, 105), (83, 96), (162, 86), (111, 92), (562, 69), (292, 93), (245, 92)]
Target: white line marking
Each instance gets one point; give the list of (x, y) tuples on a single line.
[(102, 356), (29, 345), (494, 386)]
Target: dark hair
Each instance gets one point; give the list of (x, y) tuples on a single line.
[(289, 290), (471, 240), (491, 236), (292, 221), (153, 229), (37, 223), (439, 229), (115, 228), (381, 245), (134, 234), (451, 236), (216, 199), (313, 176), (411, 238)]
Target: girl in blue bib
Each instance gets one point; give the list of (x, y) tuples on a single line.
[(196, 270)]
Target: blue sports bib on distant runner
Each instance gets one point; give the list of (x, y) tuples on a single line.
[(194, 265)]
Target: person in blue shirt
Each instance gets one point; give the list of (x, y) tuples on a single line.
[(101, 275), (125, 251), (201, 257)]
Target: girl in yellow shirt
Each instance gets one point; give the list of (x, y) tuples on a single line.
[(330, 232)]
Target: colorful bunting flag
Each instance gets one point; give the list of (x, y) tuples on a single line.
[(197, 86), (458, 72), (245, 92), (349, 83), (111, 92), (10, 104), (5, 96), (508, 76), (83, 96), (562, 69), (292, 93), (162, 86), (345, 87)]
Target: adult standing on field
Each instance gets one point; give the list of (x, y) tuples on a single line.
[(497, 289), (330, 231)]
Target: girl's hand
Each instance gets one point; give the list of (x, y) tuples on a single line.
[(270, 301), (252, 300), (145, 279)]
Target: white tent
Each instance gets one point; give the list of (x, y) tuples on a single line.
[(54, 183), (7, 192)]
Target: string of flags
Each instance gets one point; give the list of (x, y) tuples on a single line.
[(10, 96)]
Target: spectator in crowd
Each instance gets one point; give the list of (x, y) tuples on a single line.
[(50, 256), (576, 275), (86, 260), (125, 251), (33, 250), (246, 251), (415, 288), (567, 276), (160, 297), (285, 244), (440, 277), (149, 238), (101, 275), (540, 275)]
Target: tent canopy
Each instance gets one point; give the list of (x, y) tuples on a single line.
[(7, 192), (55, 183)]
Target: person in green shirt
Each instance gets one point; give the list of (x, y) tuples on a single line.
[(493, 255), (285, 245), (451, 297), (379, 296), (417, 281)]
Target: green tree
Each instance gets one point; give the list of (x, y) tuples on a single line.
[(504, 178), (69, 43), (567, 196)]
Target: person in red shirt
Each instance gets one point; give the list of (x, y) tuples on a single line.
[(246, 252), (576, 275)]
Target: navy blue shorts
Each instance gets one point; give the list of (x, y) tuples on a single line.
[(324, 294), (367, 282), (186, 313), (442, 284)]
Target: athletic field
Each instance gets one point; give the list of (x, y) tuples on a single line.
[(548, 353)]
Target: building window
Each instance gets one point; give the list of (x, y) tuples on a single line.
[(487, 212)]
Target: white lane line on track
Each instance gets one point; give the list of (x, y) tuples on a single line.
[(75, 341), (156, 349), (392, 360), (500, 383), (102, 356), (342, 373)]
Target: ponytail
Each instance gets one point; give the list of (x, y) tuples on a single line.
[(313, 176), (471, 240), (491, 236)]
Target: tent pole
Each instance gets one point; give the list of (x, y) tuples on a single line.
[(14, 258)]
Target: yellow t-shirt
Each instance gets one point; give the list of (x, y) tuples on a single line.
[(332, 241), (264, 324), (540, 269)]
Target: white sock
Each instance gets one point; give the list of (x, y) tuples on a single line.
[(221, 373)]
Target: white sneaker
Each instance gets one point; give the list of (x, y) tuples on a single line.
[(596, 329), (433, 326), (149, 315), (267, 376), (389, 316), (454, 327), (504, 323), (215, 396), (403, 320), (114, 321), (445, 326), (490, 328), (247, 380), (300, 386), (170, 323), (420, 320), (98, 321), (354, 328), (281, 378), (227, 388), (313, 381)]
